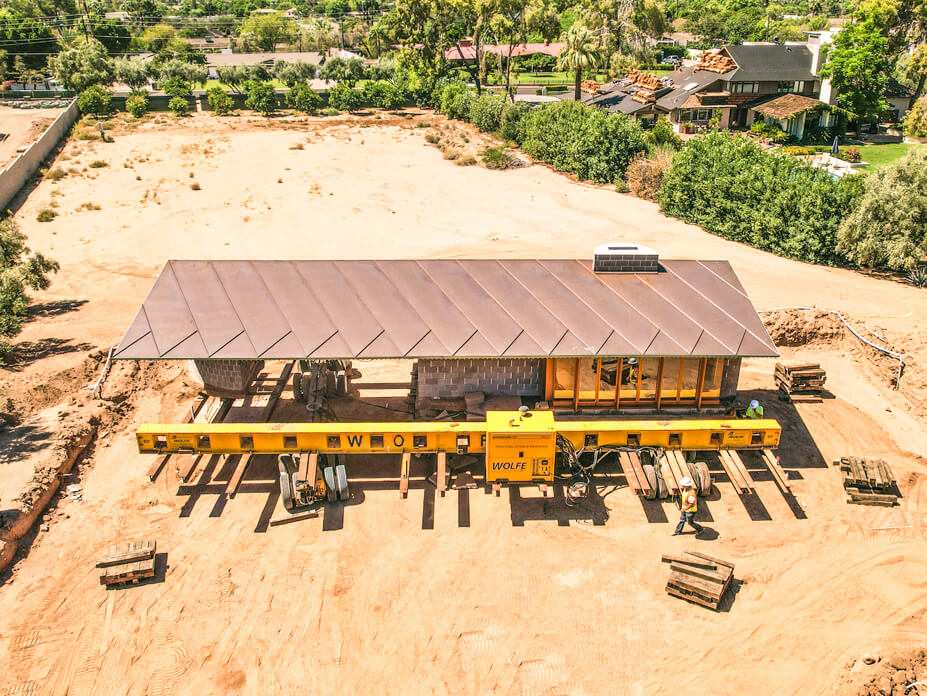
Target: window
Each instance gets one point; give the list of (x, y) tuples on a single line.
[(695, 115), (791, 87), (690, 370), (564, 377), (649, 370), (588, 378), (711, 389), (745, 87), (669, 387)]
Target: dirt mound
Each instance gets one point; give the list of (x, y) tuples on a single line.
[(890, 675), (792, 327)]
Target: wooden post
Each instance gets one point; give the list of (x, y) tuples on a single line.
[(702, 368), (442, 472), (682, 369), (576, 387), (618, 372), (598, 378), (550, 373), (404, 475), (659, 384)]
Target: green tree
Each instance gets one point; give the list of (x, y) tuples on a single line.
[(156, 38), (888, 228), (915, 121), (662, 134), (858, 65), (580, 54), (232, 75), (345, 98), (260, 97), (185, 72), (177, 87), (291, 73), (340, 70), (219, 101), (137, 103), (132, 72), (85, 65), (916, 70), (20, 271), (27, 38), (112, 33), (142, 12), (265, 31), (303, 98), (486, 113), (179, 106)]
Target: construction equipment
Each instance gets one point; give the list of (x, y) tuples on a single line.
[(520, 446)]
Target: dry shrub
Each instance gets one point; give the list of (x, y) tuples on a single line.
[(451, 153), (645, 174), (466, 160), (195, 186)]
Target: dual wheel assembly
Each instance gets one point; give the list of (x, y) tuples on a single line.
[(331, 482), (698, 472)]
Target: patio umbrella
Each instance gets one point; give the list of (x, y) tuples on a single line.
[(835, 148)]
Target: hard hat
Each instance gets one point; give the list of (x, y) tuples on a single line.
[(632, 361), (686, 482), (754, 404)]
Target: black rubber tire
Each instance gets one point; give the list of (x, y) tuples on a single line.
[(704, 477), (331, 488), (341, 478), (305, 387), (651, 474), (286, 491), (662, 490)]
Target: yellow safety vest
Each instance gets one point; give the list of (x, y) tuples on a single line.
[(755, 412), (684, 496)]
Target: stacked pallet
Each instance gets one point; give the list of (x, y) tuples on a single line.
[(800, 382), (715, 62), (698, 578), (128, 562), (869, 481), (591, 86)]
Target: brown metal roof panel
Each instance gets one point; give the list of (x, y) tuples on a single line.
[(304, 313), (619, 345), (356, 324), (428, 347), (495, 325), (286, 348), (167, 312), (571, 344), (754, 347), (382, 346), (216, 321), (137, 329), (699, 308), (253, 303), (664, 344), (334, 347), (673, 323), (190, 347), (477, 347), (524, 346), (708, 345), (238, 347), (542, 326), (561, 302), (143, 348), (397, 317), (448, 324), (637, 330)]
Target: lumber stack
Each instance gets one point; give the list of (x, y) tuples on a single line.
[(128, 562), (869, 481), (800, 382), (591, 86), (715, 62), (698, 578)]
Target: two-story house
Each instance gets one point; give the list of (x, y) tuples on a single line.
[(732, 86)]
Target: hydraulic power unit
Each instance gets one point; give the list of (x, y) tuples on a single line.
[(520, 446)]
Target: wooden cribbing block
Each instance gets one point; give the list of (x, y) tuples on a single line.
[(232, 488), (695, 562), (129, 552), (442, 472), (404, 475), (775, 469), (731, 470), (624, 460)]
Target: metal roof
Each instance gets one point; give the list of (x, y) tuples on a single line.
[(768, 62), (442, 308)]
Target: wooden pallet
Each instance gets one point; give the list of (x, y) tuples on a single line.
[(869, 481), (698, 578), (128, 562), (637, 481), (799, 381)]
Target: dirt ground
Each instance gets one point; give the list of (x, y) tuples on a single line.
[(22, 126), (466, 593)]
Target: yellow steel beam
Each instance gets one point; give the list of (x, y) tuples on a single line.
[(399, 437)]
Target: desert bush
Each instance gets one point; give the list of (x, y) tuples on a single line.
[(303, 98), (95, 100), (918, 277), (137, 105), (887, 228), (20, 271), (465, 160), (344, 98), (98, 164), (587, 141), (296, 146), (46, 215), (433, 138), (260, 97), (645, 173), (219, 101), (177, 87), (195, 186), (486, 112), (330, 111), (497, 158), (383, 95), (455, 100), (179, 106), (734, 188), (451, 153), (510, 120), (55, 174)]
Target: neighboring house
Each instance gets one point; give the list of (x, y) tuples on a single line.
[(899, 98), (267, 58), (733, 86), (468, 52), (213, 41)]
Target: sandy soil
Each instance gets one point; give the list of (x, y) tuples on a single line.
[(23, 126), (463, 593)]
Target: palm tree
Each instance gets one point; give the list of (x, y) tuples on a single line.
[(582, 52)]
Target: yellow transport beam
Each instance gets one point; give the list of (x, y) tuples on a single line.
[(443, 436)]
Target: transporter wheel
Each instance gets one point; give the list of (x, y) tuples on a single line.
[(701, 476), (662, 490), (305, 386), (331, 489), (341, 478), (297, 387), (286, 490), (651, 474)]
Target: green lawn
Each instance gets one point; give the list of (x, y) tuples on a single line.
[(880, 155), (216, 83)]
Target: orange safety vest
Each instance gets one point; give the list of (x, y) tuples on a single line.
[(689, 500)]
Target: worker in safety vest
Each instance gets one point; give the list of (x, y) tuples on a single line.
[(755, 411), (688, 507)]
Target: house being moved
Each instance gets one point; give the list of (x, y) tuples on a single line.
[(624, 332)]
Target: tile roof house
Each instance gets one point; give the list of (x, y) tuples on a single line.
[(730, 84)]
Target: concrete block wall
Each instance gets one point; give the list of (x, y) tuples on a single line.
[(454, 377), (228, 378)]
